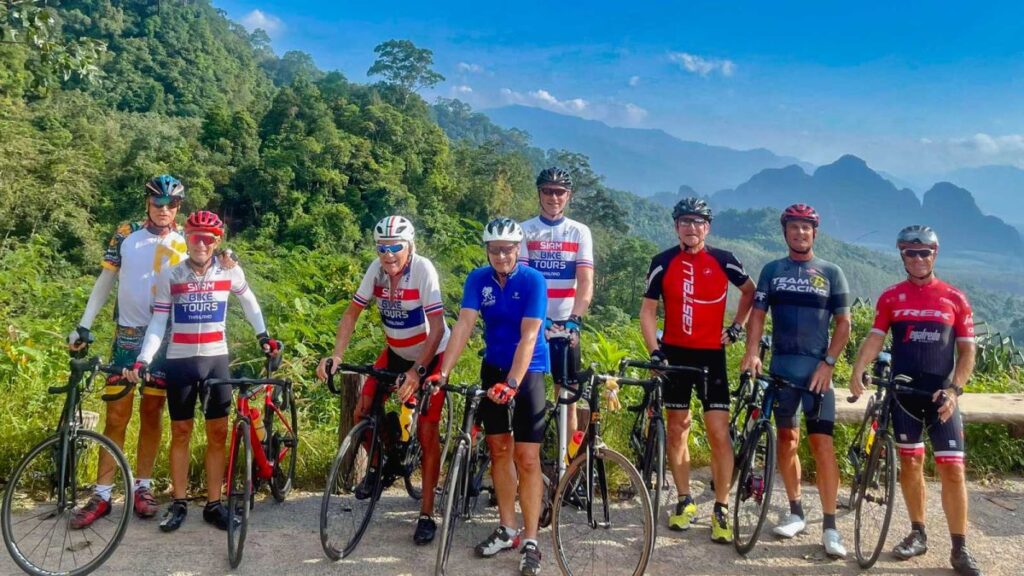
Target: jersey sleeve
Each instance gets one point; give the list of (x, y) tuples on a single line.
[(883, 314), (733, 268), (585, 256), (364, 294), (430, 290), (839, 299), (764, 287), (655, 275), (537, 302), (964, 320), (471, 292), (524, 250), (158, 322), (112, 255), (250, 306)]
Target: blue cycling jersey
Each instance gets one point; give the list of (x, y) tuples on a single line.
[(503, 310)]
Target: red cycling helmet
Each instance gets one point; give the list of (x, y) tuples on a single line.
[(800, 212), (204, 221)]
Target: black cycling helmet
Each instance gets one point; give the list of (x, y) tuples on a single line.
[(554, 176), (917, 234), (692, 206)]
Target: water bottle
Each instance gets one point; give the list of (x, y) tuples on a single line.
[(574, 443), (405, 417)]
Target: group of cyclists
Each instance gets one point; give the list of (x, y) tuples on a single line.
[(172, 294)]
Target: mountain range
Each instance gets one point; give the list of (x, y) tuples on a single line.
[(997, 189), (643, 161)]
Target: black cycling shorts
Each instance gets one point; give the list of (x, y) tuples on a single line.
[(912, 414), (565, 364), (820, 414), (525, 418), (183, 378), (679, 388)]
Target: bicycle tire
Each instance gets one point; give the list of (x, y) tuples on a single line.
[(661, 494), (883, 461), (621, 554), (284, 441), (454, 501), (857, 448), (412, 462), (754, 484), (43, 455), (240, 490), (348, 471)]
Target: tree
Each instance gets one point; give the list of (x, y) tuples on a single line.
[(27, 24), (404, 65)]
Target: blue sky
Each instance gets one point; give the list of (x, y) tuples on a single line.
[(915, 88)]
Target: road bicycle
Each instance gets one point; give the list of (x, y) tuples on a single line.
[(602, 519), (554, 450), (872, 455), (57, 477), (253, 461)]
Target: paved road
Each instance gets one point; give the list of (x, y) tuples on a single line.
[(284, 539)]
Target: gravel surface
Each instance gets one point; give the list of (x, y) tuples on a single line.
[(284, 539)]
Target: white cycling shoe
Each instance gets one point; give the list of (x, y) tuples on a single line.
[(789, 526), (833, 543)]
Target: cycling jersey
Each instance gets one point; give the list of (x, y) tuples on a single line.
[(503, 311), (803, 297), (694, 288), (556, 248), (138, 256), (404, 313), (200, 311), (926, 322)]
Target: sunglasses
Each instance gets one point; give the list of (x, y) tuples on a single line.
[(390, 248), (554, 192), (506, 251), (165, 202), (204, 239), (692, 221), (922, 253)]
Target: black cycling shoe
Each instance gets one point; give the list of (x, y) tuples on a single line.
[(914, 544), (217, 514), (425, 529), (963, 563), (174, 516), (364, 489)]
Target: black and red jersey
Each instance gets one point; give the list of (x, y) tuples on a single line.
[(694, 288), (926, 322)]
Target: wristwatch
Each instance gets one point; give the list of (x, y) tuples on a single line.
[(830, 360), (421, 370), (958, 390)]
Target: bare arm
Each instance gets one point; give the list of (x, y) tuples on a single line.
[(346, 326), (746, 302), (840, 336), (868, 351), (584, 291), (461, 332), (649, 323), (965, 353), (528, 330), (755, 329)]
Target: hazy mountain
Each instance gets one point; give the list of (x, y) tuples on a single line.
[(859, 205), (640, 160), (997, 189)]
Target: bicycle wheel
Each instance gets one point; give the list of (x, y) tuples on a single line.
[(37, 511), (873, 507), (663, 493), (351, 493), (446, 427), (602, 520), (858, 454), (454, 499), (239, 490), (283, 444), (754, 487)]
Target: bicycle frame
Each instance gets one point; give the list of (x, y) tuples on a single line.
[(243, 409)]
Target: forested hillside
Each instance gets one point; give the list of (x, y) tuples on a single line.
[(300, 162)]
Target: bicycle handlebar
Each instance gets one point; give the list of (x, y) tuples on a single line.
[(626, 363), (365, 369), (898, 384), (91, 366)]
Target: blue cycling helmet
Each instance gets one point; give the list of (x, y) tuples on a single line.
[(165, 186)]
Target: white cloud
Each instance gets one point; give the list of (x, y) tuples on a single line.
[(462, 89), (543, 99), (976, 150), (634, 114), (467, 67), (634, 80), (701, 65), (269, 23), (616, 113)]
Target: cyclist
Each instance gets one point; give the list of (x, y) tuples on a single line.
[(563, 251), (804, 293), (197, 292), (512, 300), (693, 279), (408, 294), (933, 343), (137, 252)]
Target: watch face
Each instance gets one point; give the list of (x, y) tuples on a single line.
[(421, 370)]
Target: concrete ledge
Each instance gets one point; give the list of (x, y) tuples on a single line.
[(976, 408)]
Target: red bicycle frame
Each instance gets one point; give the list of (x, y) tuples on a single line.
[(264, 467)]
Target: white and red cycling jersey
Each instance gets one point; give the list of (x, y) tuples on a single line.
[(404, 312), (556, 248), (197, 306)]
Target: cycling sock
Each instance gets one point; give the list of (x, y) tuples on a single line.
[(104, 490), (146, 483), (510, 532), (796, 508), (919, 526), (684, 499), (529, 541), (959, 541), (829, 522)]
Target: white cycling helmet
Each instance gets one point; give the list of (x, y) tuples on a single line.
[(502, 228), (394, 228)]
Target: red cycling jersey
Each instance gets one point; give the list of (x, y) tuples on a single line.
[(693, 287), (926, 322)]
